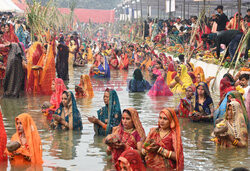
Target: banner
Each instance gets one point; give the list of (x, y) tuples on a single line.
[(172, 5)]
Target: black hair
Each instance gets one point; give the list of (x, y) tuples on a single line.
[(65, 92), (248, 10), (246, 76), (181, 58), (1, 32), (127, 111), (240, 169)]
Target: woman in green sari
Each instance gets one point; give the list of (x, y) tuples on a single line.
[(109, 116)]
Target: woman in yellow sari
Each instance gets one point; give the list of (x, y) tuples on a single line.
[(89, 55), (84, 89), (72, 51), (181, 81), (147, 62)]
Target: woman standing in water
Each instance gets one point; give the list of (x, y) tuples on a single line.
[(204, 107), (67, 116), (129, 134), (138, 84), (232, 131), (163, 147), (84, 89), (109, 116), (25, 147)]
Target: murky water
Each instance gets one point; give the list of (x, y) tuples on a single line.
[(81, 150)]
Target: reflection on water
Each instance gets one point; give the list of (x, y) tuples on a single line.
[(74, 150)]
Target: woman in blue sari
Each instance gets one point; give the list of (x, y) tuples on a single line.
[(103, 69), (109, 116), (138, 84), (221, 110), (67, 116), (204, 107)]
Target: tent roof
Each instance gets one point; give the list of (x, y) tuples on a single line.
[(9, 6), (94, 15)]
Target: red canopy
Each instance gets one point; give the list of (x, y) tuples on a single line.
[(93, 15)]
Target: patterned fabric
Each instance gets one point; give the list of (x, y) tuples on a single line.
[(104, 69), (33, 147), (130, 139), (3, 139), (110, 115), (207, 105), (85, 84), (74, 118), (56, 97), (132, 159), (170, 142), (160, 88)]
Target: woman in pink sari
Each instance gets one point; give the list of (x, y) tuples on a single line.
[(128, 135), (160, 87)]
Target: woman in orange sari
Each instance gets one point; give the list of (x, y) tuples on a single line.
[(124, 61), (128, 135), (147, 62), (34, 54), (84, 89), (200, 76), (163, 147), (30, 147), (171, 70)]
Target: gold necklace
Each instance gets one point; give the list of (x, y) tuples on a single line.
[(164, 134)]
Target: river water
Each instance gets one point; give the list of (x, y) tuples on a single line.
[(82, 150)]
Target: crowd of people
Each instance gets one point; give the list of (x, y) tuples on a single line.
[(42, 68)]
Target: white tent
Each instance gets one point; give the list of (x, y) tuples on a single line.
[(9, 6)]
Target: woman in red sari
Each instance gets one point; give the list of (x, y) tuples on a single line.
[(113, 63), (163, 147), (130, 160), (3, 140), (124, 61), (226, 85), (128, 135), (9, 34)]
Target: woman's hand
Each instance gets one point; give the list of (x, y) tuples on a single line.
[(57, 118), (153, 148), (93, 120), (118, 145)]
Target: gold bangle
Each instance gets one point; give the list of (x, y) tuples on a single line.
[(159, 150), (235, 142), (169, 154)]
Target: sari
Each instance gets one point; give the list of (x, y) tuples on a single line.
[(73, 119), (33, 148), (56, 97), (160, 88), (20, 34), (113, 64), (199, 71), (48, 73), (185, 78), (138, 84), (103, 68), (10, 36), (72, 52), (171, 70), (3, 139), (35, 52), (129, 138), (226, 85), (85, 84), (62, 66), (205, 108), (89, 55), (132, 159), (170, 142), (110, 115), (248, 104), (221, 110), (237, 129), (124, 61), (146, 63)]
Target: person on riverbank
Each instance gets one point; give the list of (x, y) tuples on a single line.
[(25, 147), (67, 116), (204, 107), (163, 146), (109, 116), (222, 19), (84, 89), (244, 84), (232, 131), (138, 84), (128, 135)]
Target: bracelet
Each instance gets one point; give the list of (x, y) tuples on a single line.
[(170, 152), (160, 150), (235, 142)]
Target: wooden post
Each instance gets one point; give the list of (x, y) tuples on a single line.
[(239, 11)]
